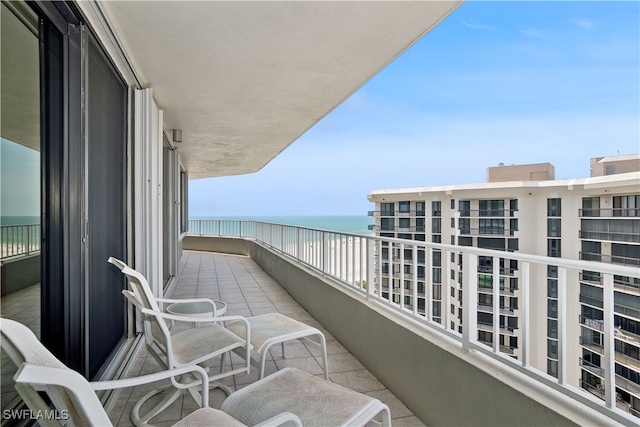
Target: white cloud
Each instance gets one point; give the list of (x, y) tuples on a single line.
[(581, 22), (535, 33), (473, 24)]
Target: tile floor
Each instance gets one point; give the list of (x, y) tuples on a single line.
[(24, 307), (249, 291)]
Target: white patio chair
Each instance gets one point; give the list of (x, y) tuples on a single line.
[(74, 399), (190, 347), (265, 330), (287, 396)]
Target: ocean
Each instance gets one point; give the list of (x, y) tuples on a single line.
[(19, 220), (356, 224)]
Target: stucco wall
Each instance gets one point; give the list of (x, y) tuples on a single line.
[(18, 273), (225, 245)]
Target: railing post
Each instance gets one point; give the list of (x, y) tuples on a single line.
[(414, 279), (370, 267), (27, 244), (241, 222), (525, 310), (299, 240), (469, 300), (609, 343), (325, 252)]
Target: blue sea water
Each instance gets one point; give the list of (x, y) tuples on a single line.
[(19, 220), (356, 224)]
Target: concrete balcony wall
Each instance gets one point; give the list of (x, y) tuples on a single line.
[(19, 272), (439, 382)]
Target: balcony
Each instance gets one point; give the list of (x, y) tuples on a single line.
[(412, 351), (249, 291)]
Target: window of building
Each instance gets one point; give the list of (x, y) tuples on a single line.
[(436, 208), (552, 368), (491, 226), (463, 241), (590, 250), (513, 207), (404, 222), (386, 209), (591, 206), (453, 223), (552, 271), (436, 225), (420, 237), (453, 240), (404, 207), (464, 225), (491, 243), (405, 236), (464, 207), (552, 328), (491, 207), (436, 238), (553, 227), (437, 258), (552, 288), (553, 248), (552, 349), (420, 208), (554, 207), (513, 225), (552, 308), (420, 224), (512, 245), (626, 205), (437, 274), (387, 224), (453, 204)]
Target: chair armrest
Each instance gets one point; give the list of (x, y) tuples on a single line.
[(281, 418), (150, 378), (183, 318), (178, 300)]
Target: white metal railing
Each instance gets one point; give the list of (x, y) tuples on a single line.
[(355, 261), (19, 240)]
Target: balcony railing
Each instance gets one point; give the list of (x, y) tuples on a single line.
[(399, 228), (486, 232), (611, 236), (609, 212), (19, 240), (613, 259), (483, 213), (349, 260), (396, 213)]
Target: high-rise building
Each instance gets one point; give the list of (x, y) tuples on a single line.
[(522, 208)]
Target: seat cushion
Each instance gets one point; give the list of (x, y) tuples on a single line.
[(315, 401), (267, 327), (203, 342), (208, 417)]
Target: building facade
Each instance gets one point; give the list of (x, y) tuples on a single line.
[(595, 218)]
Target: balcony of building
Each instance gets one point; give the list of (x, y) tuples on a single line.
[(409, 349), (249, 291)]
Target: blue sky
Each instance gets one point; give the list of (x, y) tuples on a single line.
[(511, 82)]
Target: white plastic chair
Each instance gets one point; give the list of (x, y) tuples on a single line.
[(74, 398), (287, 396), (191, 347), (265, 330)]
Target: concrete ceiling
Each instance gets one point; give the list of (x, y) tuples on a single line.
[(243, 80), (20, 79)]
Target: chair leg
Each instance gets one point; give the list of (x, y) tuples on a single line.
[(325, 362), (164, 404)]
